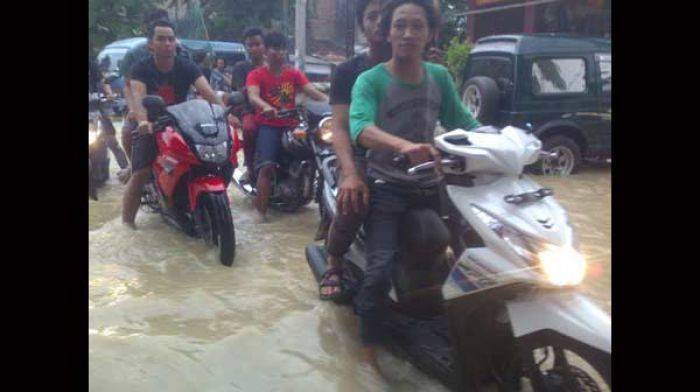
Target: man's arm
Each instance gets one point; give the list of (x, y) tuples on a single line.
[(352, 190), (138, 91), (205, 90), (254, 97), (313, 92)]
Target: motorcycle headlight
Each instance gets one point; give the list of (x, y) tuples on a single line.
[(563, 266), (92, 137), (215, 154), (325, 134)]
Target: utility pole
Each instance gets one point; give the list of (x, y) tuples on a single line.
[(300, 33)]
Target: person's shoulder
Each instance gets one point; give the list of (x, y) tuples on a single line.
[(434, 69), (242, 64), (142, 63), (374, 73)]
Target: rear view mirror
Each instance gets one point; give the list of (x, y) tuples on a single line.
[(235, 98), (154, 105)]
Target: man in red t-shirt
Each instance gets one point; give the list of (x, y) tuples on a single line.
[(272, 87)]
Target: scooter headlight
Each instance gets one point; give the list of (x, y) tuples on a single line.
[(325, 134), (92, 137), (214, 154), (563, 266)]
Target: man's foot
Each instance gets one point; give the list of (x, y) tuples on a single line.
[(124, 175), (369, 357), (130, 225), (322, 231), (261, 219), (330, 287)]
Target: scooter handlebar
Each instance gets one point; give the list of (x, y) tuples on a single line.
[(431, 164)]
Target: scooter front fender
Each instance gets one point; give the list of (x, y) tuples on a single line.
[(204, 184), (567, 313)]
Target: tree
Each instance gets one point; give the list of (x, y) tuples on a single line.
[(110, 20)]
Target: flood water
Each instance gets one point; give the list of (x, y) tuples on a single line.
[(165, 315)]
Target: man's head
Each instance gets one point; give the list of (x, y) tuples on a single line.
[(254, 44), (151, 16), (368, 16), (409, 25), (161, 39), (275, 48), (220, 64)]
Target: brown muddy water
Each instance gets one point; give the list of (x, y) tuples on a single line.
[(164, 315)]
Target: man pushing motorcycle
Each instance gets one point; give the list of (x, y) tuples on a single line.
[(394, 111), (170, 77)]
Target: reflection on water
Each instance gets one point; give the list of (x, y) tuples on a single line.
[(165, 315)]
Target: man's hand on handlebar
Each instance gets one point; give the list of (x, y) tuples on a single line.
[(421, 152), (145, 127), (269, 112)]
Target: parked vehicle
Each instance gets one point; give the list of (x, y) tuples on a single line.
[(558, 86), (196, 156), (294, 185), (98, 157), (487, 293), (114, 53)]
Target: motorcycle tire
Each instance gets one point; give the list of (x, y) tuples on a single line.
[(580, 375), (216, 211)]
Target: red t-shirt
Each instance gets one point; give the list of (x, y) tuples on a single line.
[(278, 91)]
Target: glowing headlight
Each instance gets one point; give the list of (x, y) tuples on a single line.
[(562, 266), (215, 154), (92, 136), (325, 134)]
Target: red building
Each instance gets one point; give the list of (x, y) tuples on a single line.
[(584, 17)]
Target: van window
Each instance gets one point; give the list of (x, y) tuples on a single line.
[(605, 65), (558, 76)]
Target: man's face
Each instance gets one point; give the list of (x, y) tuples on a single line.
[(409, 32), (255, 46), (163, 43), (275, 56), (220, 64), (370, 21)]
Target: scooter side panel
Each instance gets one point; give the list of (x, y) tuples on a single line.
[(544, 219), (173, 160), (568, 313)]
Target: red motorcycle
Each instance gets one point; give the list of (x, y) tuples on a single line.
[(193, 168)]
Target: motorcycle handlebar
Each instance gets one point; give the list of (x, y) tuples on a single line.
[(430, 165)]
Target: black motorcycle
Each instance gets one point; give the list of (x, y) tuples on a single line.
[(294, 184)]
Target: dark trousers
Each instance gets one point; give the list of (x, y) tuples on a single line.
[(249, 134), (388, 203)]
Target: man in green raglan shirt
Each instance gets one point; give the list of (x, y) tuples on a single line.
[(394, 111)]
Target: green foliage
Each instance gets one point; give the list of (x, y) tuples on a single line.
[(457, 55), (227, 20), (110, 20)]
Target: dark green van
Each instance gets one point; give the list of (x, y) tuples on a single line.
[(558, 86)]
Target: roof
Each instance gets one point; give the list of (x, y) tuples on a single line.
[(541, 44), (126, 43), (190, 44)]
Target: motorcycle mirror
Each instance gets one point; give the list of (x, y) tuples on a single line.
[(235, 98), (154, 105)]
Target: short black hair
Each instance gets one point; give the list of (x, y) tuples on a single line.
[(252, 32), (275, 39), (388, 12), (360, 10), (199, 57), (155, 14), (158, 23)]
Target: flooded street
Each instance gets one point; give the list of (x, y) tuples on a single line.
[(164, 314)]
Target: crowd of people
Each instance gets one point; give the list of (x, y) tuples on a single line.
[(385, 102)]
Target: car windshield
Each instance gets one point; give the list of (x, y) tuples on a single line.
[(110, 59)]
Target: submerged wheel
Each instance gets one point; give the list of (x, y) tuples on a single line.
[(562, 367), (567, 160), (216, 225)]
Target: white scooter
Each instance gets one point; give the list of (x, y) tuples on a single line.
[(500, 303)]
